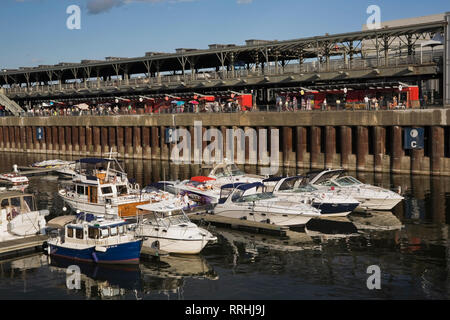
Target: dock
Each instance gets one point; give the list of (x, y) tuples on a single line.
[(13, 248), (242, 225)]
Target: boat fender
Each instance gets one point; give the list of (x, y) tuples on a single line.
[(100, 249), (136, 186), (94, 256)]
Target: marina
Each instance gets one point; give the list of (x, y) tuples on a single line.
[(313, 165)]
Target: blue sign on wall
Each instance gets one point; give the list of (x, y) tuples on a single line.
[(413, 138), (169, 135), (39, 133)]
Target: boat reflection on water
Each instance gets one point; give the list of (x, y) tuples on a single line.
[(101, 281), (376, 220), (163, 275), (168, 275)]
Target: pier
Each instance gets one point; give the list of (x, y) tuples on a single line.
[(361, 140)]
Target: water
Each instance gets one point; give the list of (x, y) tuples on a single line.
[(414, 260)]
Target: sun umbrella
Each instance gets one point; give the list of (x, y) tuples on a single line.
[(193, 102)]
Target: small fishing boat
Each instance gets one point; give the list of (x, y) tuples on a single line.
[(332, 203), (166, 227), (97, 240), (19, 217), (66, 168), (251, 202), (370, 197)]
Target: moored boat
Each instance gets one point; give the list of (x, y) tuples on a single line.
[(250, 202), (370, 197), (332, 203), (92, 239)]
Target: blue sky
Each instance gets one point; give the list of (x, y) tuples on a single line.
[(34, 32)]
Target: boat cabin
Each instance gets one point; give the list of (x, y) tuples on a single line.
[(94, 230), (13, 204), (244, 192), (225, 170)]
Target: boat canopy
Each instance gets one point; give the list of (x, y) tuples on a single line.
[(202, 179), (247, 186), (232, 185)]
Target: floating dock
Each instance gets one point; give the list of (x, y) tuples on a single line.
[(13, 248), (238, 224)]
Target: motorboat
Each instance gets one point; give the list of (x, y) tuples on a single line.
[(166, 227), (332, 203), (92, 238), (250, 201), (370, 197), (227, 172), (19, 216), (101, 186), (201, 189), (66, 168), (14, 180)]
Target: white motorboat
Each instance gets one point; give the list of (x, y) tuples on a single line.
[(166, 227), (370, 197), (14, 180), (19, 217), (226, 173), (250, 202), (94, 239), (201, 189), (332, 203), (100, 188), (62, 167)]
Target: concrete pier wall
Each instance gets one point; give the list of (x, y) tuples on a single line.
[(367, 141)]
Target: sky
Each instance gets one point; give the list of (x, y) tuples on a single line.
[(35, 32)]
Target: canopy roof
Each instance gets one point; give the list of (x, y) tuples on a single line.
[(94, 160)]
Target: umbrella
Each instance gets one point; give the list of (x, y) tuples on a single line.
[(82, 106), (174, 102), (180, 103), (193, 102)]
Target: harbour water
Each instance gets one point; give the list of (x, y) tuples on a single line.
[(410, 245)]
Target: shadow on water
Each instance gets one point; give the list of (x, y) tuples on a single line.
[(410, 244)]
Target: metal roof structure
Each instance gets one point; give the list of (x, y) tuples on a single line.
[(221, 56)]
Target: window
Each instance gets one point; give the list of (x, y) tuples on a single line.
[(113, 231), (104, 232), (5, 203), (15, 202), (70, 232), (80, 190), (79, 233), (28, 203), (107, 190), (93, 233), (121, 230), (122, 190)]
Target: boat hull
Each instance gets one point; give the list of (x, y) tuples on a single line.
[(272, 218), (124, 253), (328, 209), (180, 246), (378, 204)]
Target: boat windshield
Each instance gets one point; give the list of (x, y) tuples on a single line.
[(306, 188), (256, 197), (235, 171), (329, 183), (348, 181), (174, 220)]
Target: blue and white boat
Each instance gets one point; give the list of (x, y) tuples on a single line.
[(332, 203), (93, 239)]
